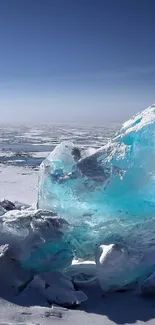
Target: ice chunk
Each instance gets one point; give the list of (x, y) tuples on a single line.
[(105, 182), (37, 239), (117, 266), (108, 196), (54, 287), (110, 191)]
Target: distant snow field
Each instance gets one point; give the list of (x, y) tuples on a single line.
[(22, 149), (18, 183)]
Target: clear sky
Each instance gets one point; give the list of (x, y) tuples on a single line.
[(79, 61)]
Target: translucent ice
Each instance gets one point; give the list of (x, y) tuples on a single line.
[(36, 239), (109, 196)]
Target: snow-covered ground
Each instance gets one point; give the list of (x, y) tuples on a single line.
[(118, 308), (18, 183)]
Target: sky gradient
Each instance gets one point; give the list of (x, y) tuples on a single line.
[(76, 61)]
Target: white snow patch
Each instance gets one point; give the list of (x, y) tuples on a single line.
[(18, 183)]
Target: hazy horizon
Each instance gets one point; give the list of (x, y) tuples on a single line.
[(82, 62)]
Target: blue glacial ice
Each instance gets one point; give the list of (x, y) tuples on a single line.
[(108, 196)]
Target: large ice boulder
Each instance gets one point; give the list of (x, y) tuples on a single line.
[(106, 182), (107, 196)]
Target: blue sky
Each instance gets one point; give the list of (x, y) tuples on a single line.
[(76, 61)]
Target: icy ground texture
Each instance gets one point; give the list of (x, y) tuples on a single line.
[(110, 196)]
